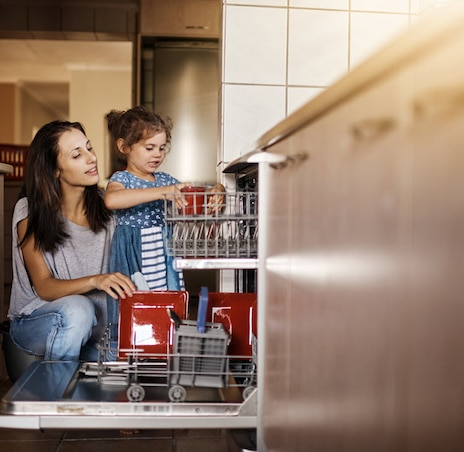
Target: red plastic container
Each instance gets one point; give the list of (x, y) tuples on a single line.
[(238, 313), (144, 322), (194, 198)]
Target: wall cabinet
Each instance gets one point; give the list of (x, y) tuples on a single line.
[(180, 18), (360, 285)]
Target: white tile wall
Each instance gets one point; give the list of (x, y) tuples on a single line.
[(257, 2), (318, 46), (297, 97), (392, 6), (415, 6), (321, 4), (371, 31), (278, 54), (255, 48), (430, 4), (251, 111)]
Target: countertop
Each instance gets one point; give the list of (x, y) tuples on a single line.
[(429, 31)]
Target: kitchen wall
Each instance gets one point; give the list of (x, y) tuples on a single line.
[(93, 93), (425, 5), (30, 114), (8, 94), (278, 54), (20, 113)]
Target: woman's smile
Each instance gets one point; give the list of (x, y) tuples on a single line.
[(93, 171)]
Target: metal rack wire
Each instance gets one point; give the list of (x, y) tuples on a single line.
[(196, 360), (223, 225)]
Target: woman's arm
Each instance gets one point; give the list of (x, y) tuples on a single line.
[(49, 288), (118, 197)]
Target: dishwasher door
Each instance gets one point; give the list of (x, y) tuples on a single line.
[(65, 394), (144, 388), (56, 394)]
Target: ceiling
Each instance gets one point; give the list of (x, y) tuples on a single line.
[(43, 68)]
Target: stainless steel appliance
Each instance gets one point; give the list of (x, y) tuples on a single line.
[(180, 79), (136, 393)]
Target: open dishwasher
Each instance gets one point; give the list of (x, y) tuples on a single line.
[(164, 370)]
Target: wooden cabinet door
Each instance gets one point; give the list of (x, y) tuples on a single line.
[(332, 227), (363, 269), (180, 18)]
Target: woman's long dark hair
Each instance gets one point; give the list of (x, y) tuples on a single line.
[(43, 190)]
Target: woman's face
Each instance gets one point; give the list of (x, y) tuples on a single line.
[(77, 162)]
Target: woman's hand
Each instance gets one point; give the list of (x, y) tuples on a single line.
[(116, 285)]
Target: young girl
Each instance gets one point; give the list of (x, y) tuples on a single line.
[(61, 237), (137, 197)]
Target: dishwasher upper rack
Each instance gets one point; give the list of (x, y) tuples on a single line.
[(227, 226)]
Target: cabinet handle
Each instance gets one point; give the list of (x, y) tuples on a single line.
[(369, 129), (196, 27), (290, 159), (439, 101)]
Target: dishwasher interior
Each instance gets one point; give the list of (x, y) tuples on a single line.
[(161, 364), (174, 364)]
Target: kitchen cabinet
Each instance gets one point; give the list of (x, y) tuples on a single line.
[(360, 287), (180, 18)]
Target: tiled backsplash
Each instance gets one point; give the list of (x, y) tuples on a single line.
[(278, 54), (430, 4)]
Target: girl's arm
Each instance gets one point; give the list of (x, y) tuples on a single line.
[(118, 197), (49, 288)]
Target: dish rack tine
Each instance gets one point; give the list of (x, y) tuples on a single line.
[(228, 231)]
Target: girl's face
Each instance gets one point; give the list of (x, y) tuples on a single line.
[(77, 162), (145, 156)]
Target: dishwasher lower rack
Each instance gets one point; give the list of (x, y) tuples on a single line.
[(197, 360), (141, 392), (221, 225), (60, 395)]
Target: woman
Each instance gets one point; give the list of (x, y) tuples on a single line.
[(61, 239)]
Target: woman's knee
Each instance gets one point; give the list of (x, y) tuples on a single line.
[(76, 310)]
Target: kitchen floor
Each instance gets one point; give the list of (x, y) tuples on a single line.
[(14, 440)]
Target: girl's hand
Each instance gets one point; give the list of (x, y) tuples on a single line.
[(178, 198), (116, 285), (216, 201)]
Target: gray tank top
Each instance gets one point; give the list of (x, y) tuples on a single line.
[(84, 253)]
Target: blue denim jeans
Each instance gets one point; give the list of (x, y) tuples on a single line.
[(58, 330)]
